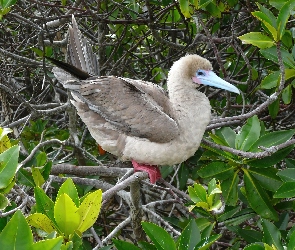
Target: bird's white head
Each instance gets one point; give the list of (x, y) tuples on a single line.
[(195, 69)]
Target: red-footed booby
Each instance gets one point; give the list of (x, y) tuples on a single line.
[(137, 121)]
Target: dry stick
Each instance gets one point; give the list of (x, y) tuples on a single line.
[(136, 212)]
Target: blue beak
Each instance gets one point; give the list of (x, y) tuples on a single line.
[(211, 79)]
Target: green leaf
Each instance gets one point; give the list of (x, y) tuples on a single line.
[(249, 134), (269, 16), (271, 54), (278, 4), (229, 189), (7, 3), (217, 169), (265, 19), (287, 190), (287, 175), (184, 7), (228, 213), (239, 219), (65, 214), (41, 221), (146, 246), (274, 108), (283, 17), (38, 178), (183, 175), (17, 234), (207, 242), (69, 188), (271, 235), (227, 135), (257, 198), (4, 140), (267, 178), (270, 81), (272, 139), (287, 94), (8, 165), (124, 245), (158, 236), (271, 160), (190, 236), (25, 178), (257, 39), (250, 236), (41, 159), (50, 244), (197, 193), (291, 244), (255, 246), (44, 204), (89, 210), (3, 202)]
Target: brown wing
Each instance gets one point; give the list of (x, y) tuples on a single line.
[(128, 108)]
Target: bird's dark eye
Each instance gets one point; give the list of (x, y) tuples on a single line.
[(200, 73)]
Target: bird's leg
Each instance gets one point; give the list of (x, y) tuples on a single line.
[(153, 171)]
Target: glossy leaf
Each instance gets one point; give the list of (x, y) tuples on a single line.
[(38, 178), (146, 246), (283, 17), (250, 236), (271, 235), (227, 135), (228, 213), (287, 94), (3, 202), (50, 244), (257, 39), (266, 20), (8, 165), (217, 169), (270, 81), (272, 139), (69, 188), (271, 54), (197, 193), (239, 219), (287, 190), (291, 244), (190, 236), (4, 140), (41, 221), (65, 214), (257, 198), (274, 108), (287, 175), (158, 236), (229, 189), (271, 160), (184, 7), (44, 204), (267, 178), (249, 134), (255, 246), (89, 210), (8, 3), (268, 15), (207, 242), (17, 234), (41, 159), (124, 245)]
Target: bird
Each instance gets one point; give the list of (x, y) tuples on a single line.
[(139, 121)]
